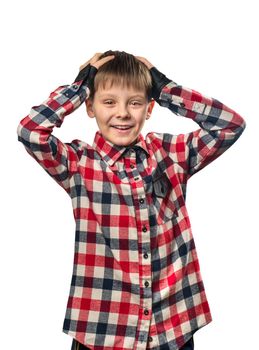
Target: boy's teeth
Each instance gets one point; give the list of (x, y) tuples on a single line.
[(121, 127)]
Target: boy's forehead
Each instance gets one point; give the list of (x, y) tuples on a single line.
[(119, 89)]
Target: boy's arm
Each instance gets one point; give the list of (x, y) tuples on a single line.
[(35, 130), (220, 126)]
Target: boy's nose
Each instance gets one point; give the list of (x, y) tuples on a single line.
[(122, 111)]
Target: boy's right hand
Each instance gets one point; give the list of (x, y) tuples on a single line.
[(88, 70), (96, 62)]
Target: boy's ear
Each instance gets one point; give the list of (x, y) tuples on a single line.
[(89, 107), (150, 107)]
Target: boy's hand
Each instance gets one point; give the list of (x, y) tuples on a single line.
[(145, 61), (89, 69), (159, 80), (96, 62)]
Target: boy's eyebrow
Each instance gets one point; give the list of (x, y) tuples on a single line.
[(112, 95)]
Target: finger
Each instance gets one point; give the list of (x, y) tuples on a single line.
[(145, 61), (142, 59), (93, 59), (100, 62)]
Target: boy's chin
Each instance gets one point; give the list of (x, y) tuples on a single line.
[(122, 140), (125, 144)]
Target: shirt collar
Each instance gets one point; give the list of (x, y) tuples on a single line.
[(111, 152)]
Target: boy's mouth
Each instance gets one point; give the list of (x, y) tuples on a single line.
[(122, 127)]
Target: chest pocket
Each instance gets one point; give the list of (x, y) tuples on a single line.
[(163, 198)]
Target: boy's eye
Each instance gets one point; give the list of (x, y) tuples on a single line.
[(136, 103)]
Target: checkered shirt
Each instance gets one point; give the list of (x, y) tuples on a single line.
[(136, 280)]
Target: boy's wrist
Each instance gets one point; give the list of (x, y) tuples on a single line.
[(159, 81), (82, 74), (87, 75)]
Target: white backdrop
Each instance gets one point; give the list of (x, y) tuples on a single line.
[(211, 47)]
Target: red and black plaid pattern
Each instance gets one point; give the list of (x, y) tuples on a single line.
[(136, 280)]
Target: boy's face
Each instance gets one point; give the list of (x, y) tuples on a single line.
[(117, 105)]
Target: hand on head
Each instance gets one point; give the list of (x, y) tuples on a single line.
[(96, 62), (145, 61), (89, 69)]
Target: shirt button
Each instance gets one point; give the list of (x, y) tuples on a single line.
[(75, 87), (136, 178), (146, 312), (144, 229), (146, 283), (150, 338), (182, 104), (141, 200), (146, 255), (132, 166)]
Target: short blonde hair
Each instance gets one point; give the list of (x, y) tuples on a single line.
[(124, 69)]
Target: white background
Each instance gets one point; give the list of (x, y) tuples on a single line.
[(211, 47)]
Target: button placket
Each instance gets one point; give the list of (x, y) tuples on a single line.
[(142, 217), (132, 153), (132, 162)]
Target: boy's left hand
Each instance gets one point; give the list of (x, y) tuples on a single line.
[(145, 61), (159, 80)]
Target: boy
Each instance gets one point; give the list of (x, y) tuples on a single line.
[(136, 281)]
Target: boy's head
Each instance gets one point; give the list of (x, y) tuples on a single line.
[(121, 96)]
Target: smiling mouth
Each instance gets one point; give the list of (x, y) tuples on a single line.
[(120, 128)]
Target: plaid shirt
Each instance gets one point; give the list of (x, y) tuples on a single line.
[(136, 280)]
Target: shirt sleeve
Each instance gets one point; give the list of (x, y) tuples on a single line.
[(220, 126), (35, 132)]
